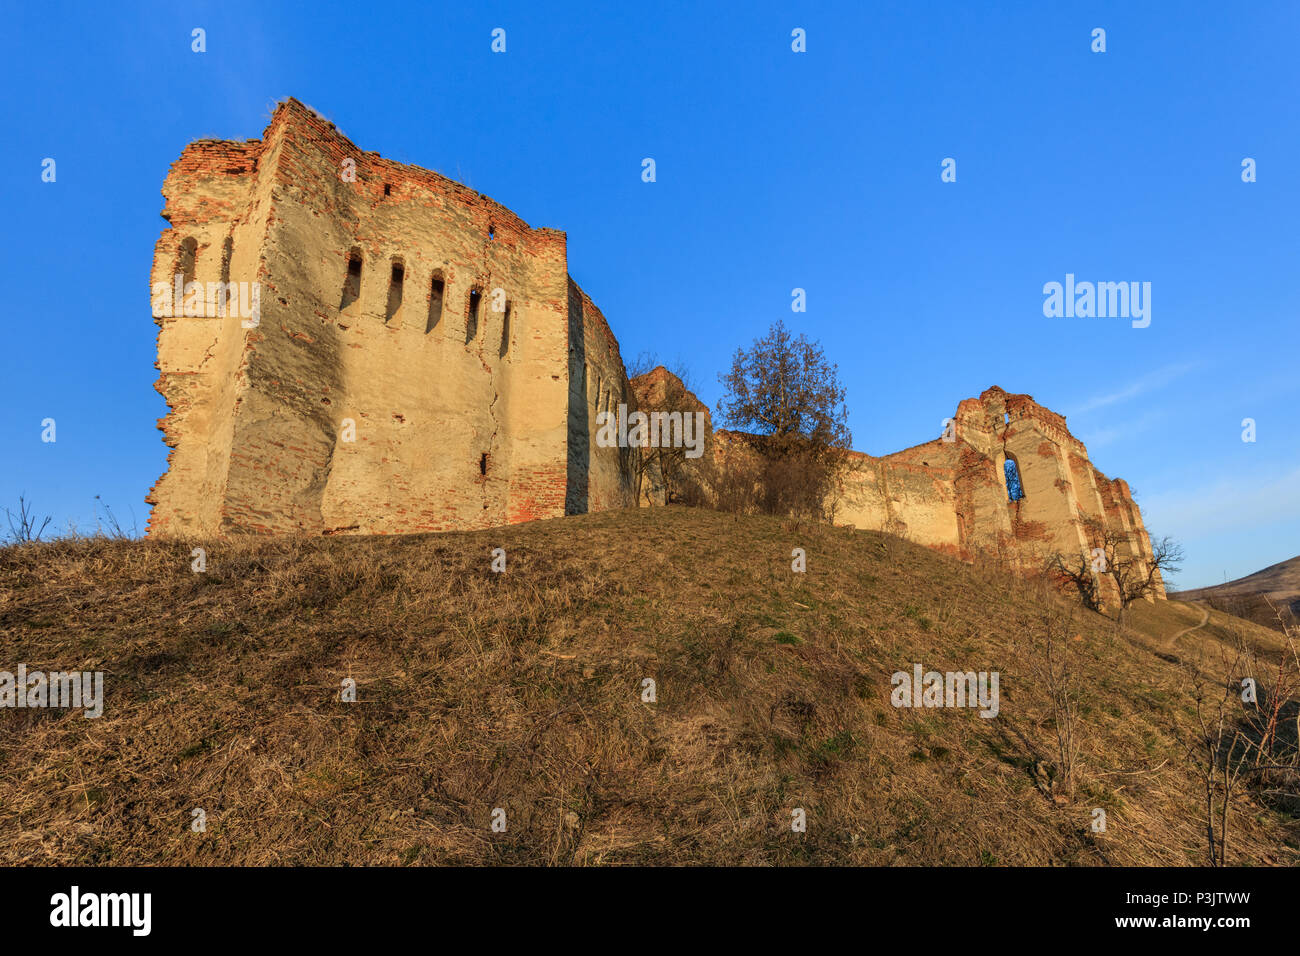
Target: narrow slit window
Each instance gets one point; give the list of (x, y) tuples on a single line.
[(395, 290), (187, 262), (482, 463), (471, 320), (352, 281), (436, 290), (505, 332), (225, 294)]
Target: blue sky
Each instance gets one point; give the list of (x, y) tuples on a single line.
[(775, 170)]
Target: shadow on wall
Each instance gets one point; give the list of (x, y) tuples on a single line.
[(577, 498), (321, 419)]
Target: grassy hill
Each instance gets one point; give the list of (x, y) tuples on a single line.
[(1249, 597), (522, 691)]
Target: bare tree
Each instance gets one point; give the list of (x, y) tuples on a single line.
[(1139, 577), (1272, 719), (786, 395), (1134, 575), (1220, 751), (1242, 738), (1269, 718), (1079, 575), (669, 465), (1051, 663)]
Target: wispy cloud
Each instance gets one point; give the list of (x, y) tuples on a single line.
[(1235, 503), (1121, 428), (1155, 380)]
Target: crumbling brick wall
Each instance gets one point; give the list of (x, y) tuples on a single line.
[(351, 406), (423, 361), (953, 495)]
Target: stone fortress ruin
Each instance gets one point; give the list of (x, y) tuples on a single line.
[(421, 360), (954, 493)]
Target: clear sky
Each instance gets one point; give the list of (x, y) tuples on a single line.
[(775, 170)]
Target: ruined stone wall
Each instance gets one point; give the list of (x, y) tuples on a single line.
[(661, 390), (447, 361), (422, 361), (953, 495), (912, 494), (604, 478), (217, 200)]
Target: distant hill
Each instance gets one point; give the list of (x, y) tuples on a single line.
[(1245, 597)]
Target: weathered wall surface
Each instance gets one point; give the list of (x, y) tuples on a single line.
[(953, 495), (430, 391), (602, 478), (215, 194), (422, 361)]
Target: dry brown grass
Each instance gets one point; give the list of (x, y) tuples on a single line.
[(1257, 597), (522, 691)]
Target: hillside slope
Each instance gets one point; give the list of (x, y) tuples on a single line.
[(1244, 597), (522, 691)]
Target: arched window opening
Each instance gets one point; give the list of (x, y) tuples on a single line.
[(352, 281), (492, 231), (1015, 490), (471, 319), (395, 283), (436, 289)]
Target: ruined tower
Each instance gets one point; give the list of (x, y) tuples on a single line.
[(420, 358)]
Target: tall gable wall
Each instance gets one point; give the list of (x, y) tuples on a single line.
[(952, 494)]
